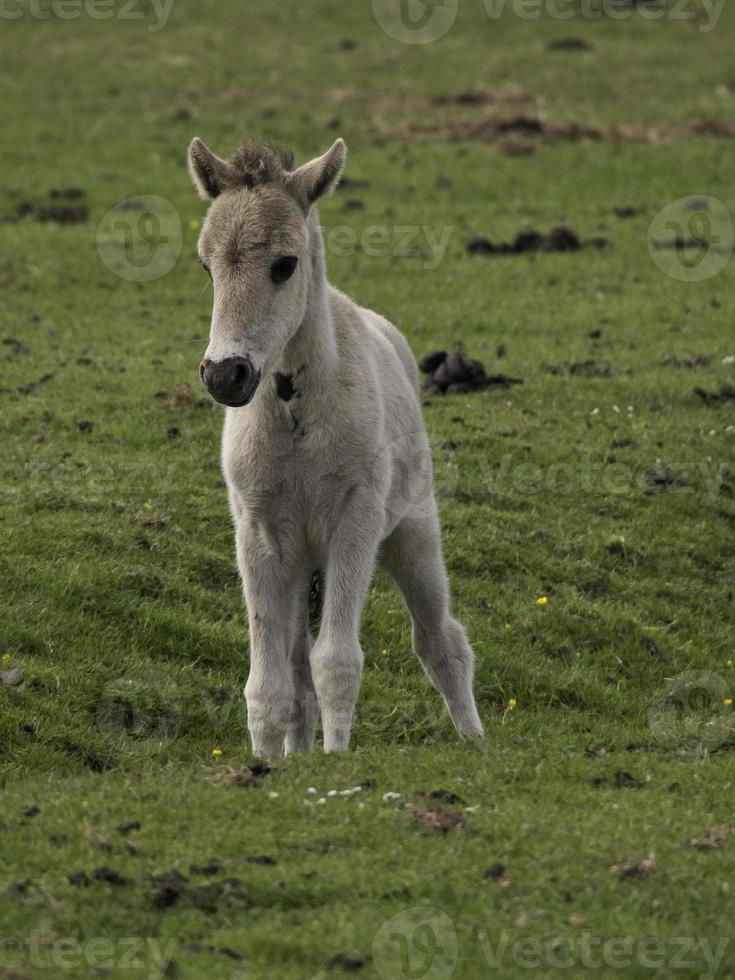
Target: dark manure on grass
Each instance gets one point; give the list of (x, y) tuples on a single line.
[(559, 239), (457, 373)]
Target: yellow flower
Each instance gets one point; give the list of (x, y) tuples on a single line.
[(542, 600), (578, 653), (194, 224), (509, 626), (728, 701), (384, 653), (216, 753), (729, 663), (147, 505), (7, 657), (511, 704)]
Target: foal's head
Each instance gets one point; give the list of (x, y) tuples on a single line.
[(255, 244)]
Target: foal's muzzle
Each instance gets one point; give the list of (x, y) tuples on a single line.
[(231, 382)]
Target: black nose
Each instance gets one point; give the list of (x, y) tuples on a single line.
[(232, 381)]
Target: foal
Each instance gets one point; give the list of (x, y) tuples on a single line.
[(324, 452)]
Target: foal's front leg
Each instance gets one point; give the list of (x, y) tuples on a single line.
[(271, 580), (336, 658)]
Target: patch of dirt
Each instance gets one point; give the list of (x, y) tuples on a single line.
[(229, 891), (168, 887), (495, 871), (31, 810), (584, 369), (181, 394), (445, 794), (79, 879), (352, 184), (725, 394), (624, 212), (211, 868), (18, 887), (699, 360), (624, 780), (636, 869), (432, 818), (560, 239), (125, 828), (344, 962), (455, 373), (260, 859), (18, 347), (513, 145), (63, 214), (66, 194), (109, 875), (661, 480), (98, 839), (148, 519), (710, 840), (568, 44), (650, 647), (245, 777), (472, 97), (499, 119), (231, 954)]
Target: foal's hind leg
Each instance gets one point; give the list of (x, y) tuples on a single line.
[(412, 556), (300, 734)]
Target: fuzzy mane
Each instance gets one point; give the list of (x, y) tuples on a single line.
[(260, 163)]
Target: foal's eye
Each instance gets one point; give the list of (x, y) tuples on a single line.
[(206, 268), (283, 268)]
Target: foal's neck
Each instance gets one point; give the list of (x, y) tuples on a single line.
[(313, 344)]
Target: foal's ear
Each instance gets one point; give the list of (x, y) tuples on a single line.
[(208, 172), (319, 177)]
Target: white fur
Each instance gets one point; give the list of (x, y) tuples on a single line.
[(336, 479)]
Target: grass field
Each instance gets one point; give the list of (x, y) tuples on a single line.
[(589, 835)]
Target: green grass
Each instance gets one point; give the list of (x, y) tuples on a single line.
[(132, 637)]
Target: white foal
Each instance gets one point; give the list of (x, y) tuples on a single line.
[(324, 452)]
